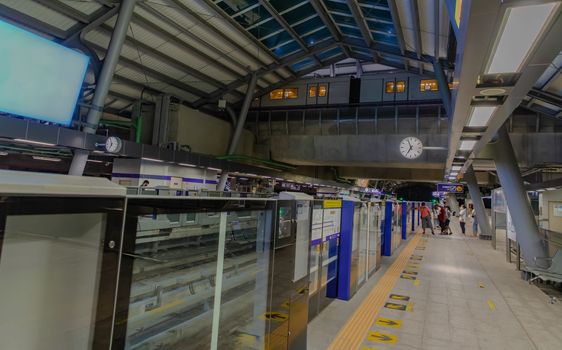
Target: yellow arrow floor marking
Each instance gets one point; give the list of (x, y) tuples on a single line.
[(410, 306), (399, 297), (366, 348), (275, 316), (407, 277), (382, 337), (395, 306), (387, 322), (416, 283), (481, 285), (491, 305)]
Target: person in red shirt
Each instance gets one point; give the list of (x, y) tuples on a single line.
[(443, 220), (426, 218)]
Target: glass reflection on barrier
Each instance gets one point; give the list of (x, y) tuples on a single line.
[(177, 259), (57, 278), (363, 247)]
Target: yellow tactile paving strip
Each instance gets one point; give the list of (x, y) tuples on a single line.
[(352, 334)]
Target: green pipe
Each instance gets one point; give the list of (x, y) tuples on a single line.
[(138, 127)]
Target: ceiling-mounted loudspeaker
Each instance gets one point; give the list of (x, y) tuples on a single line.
[(221, 104)]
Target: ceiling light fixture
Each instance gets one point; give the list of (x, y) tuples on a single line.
[(153, 160), (456, 167), (521, 28), (48, 159), (188, 165), (480, 116), (35, 142)]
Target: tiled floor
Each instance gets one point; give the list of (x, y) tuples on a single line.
[(465, 296)]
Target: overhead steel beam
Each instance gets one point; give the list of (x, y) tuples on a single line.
[(547, 97), (417, 31), (196, 38), (325, 17), (360, 20), (155, 74), (398, 29), (168, 60), (66, 10), (328, 62), (269, 8), (323, 46), (443, 86), (259, 45), (32, 23), (384, 50), (175, 40)]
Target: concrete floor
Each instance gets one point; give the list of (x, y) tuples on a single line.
[(467, 297)]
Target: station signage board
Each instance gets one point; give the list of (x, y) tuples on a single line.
[(450, 188)]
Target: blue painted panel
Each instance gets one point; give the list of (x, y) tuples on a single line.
[(404, 220), (387, 232), (332, 286), (345, 257)]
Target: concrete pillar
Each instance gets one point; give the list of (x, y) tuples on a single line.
[(104, 81), (481, 216), (528, 235), (453, 203), (239, 126)]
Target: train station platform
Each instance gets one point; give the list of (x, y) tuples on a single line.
[(442, 292)]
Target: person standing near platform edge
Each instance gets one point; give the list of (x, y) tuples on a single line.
[(426, 218), (462, 219)]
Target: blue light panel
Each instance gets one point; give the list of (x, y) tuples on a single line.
[(39, 79)]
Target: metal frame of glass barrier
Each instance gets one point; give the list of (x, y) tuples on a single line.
[(61, 238), (196, 274)]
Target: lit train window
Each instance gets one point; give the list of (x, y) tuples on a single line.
[(291, 93), (276, 94), (400, 86), (428, 85), (312, 91), (389, 88), (322, 90)]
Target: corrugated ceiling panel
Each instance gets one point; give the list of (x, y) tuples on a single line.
[(272, 78), (427, 26), (199, 84), (217, 74), (182, 95), (284, 72), (121, 104), (40, 12), (144, 36), (87, 7), (126, 89), (227, 29), (140, 77), (406, 21)]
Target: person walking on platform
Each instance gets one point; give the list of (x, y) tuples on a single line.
[(426, 218), (443, 220), (435, 214), (474, 221), (462, 219)]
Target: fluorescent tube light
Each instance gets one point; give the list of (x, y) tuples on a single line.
[(2, 153), (35, 142), (467, 145), (215, 169), (153, 160), (480, 116), (456, 167), (48, 159), (521, 27), (95, 161), (187, 165)]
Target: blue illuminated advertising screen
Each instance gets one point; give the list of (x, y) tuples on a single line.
[(39, 79)]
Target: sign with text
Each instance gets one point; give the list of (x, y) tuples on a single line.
[(450, 188)]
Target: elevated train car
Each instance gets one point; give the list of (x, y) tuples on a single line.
[(346, 90)]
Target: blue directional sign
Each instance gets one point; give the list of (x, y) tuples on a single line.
[(450, 188)]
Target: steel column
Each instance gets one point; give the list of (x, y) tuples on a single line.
[(528, 235), (476, 196), (443, 87), (240, 126), (102, 85)]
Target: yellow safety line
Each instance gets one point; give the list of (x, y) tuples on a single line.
[(351, 335), (491, 305)]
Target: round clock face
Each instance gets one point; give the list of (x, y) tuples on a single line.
[(113, 144), (411, 147)]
